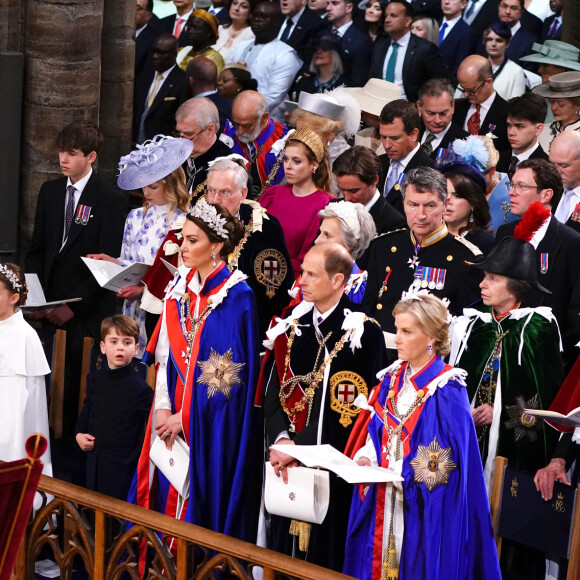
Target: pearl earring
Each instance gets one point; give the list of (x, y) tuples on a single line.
[(213, 258), (430, 349)]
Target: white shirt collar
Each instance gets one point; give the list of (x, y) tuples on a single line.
[(185, 17), (515, 28), (206, 94), (297, 16), (540, 233), (373, 200), (438, 136), (342, 30), (81, 183), (405, 161), (526, 154), (404, 40), (316, 314)]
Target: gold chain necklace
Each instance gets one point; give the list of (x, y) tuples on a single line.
[(313, 378), (235, 255), (195, 322), (390, 568)]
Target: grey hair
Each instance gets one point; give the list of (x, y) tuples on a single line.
[(240, 174), (201, 111), (356, 246), (261, 106), (436, 88), (425, 179), (335, 67)]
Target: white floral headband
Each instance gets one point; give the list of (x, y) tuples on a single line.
[(11, 276), (208, 213), (418, 295)]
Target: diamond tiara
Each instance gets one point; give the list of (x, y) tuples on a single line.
[(208, 213), (11, 276)]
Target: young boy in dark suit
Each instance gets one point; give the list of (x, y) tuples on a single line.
[(110, 428), (76, 215)]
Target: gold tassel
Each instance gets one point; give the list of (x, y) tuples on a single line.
[(390, 566), (302, 530)]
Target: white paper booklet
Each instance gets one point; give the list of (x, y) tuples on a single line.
[(36, 298), (113, 276), (572, 419), (327, 457), (305, 497)]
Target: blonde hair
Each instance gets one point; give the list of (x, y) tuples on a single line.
[(431, 315), (493, 153), (175, 191), (322, 126)]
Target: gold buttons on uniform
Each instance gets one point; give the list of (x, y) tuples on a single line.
[(379, 306), (449, 258), (393, 249)]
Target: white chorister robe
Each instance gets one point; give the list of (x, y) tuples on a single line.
[(23, 408)]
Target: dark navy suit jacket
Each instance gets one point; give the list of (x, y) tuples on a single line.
[(458, 45), (358, 48)]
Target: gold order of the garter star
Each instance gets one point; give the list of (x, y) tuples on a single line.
[(220, 373), (313, 378), (235, 255), (432, 465), (345, 408)]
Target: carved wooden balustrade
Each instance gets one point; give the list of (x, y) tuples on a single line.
[(82, 525)]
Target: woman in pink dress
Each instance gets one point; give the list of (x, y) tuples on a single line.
[(296, 205)]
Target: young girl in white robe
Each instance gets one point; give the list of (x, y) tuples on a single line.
[(23, 364)]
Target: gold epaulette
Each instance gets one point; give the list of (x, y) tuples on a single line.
[(474, 249)]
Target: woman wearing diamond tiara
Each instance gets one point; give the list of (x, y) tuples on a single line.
[(23, 409), (206, 350), (297, 204), (435, 523), (154, 167)]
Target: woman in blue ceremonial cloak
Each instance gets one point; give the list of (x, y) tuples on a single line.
[(436, 523), (206, 351)]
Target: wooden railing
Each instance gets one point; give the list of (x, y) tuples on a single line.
[(80, 524)]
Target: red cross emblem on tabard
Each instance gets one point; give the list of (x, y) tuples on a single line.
[(270, 268), (345, 393)]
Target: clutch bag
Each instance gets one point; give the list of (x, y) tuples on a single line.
[(305, 497), (173, 464)]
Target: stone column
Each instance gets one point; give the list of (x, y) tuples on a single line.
[(571, 22), (62, 47), (117, 68)]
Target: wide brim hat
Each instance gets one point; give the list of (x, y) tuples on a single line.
[(318, 104), (513, 258), (375, 95), (561, 86), (555, 52), (153, 161)]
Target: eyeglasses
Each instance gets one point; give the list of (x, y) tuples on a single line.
[(520, 188), (187, 134), (469, 92), (211, 192)]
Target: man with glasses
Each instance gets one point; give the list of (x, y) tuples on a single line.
[(557, 248), (198, 120), (511, 12), (482, 111), (262, 255)]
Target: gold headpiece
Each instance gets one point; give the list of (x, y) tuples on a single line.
[(311, 140)]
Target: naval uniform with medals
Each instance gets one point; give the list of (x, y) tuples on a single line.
[(306, 350), (396, 262)]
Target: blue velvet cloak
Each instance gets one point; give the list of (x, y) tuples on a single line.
[(447, 531), (224, 432)]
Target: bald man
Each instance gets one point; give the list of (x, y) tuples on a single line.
[(328, 414), (565, 155), (251, 134), (482, 110)]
